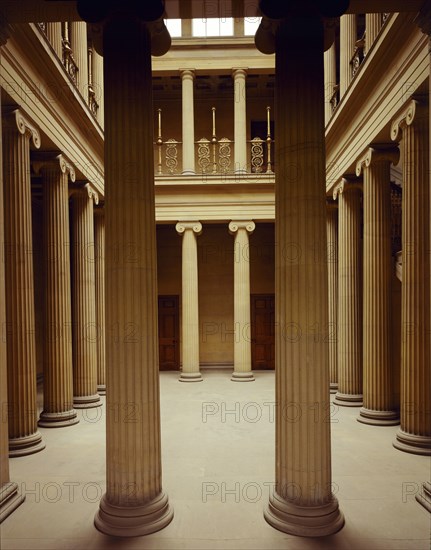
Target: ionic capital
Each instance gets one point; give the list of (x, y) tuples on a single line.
[(15, 121), (345, 185), (373, 156), (187, 74), (239, 72), (87, 190), (249, 226), (414, 110), (52, 161), (182, 227)]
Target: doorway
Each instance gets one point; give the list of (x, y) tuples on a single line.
[(263, 331), (169, 328)]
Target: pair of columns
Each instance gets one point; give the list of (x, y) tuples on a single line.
[(190, 301), (365, 369), (240, 127)]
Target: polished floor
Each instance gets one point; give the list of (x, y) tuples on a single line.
[(218, 469)]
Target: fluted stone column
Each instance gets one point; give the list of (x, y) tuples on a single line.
[(188, 121), (378, 385), (414, 435), (78, 40), (98, 86), (240, 121), (53, 33), (350, 370), (84, 300), (190, 304), (373, 24), (347, 47), (332, 258), (21, 353), (10, 498), (58, 408), (134, 502), (99, 242), (242, 321), (302, 503), (330, 66)]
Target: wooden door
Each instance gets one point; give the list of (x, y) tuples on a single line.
[(262, 331), (169, 328)]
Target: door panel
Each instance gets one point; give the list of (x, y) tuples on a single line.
[(262, 331), (169, 356)]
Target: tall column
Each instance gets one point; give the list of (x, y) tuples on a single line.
[(378, 385), (190, 306), (242, 321), (21, 350), (350, 371), (347, 47), (78, 40), (10, 498), (414, 435), (53, 33), (373, 24), (330, 71), (302, 503), (332, 258), (99, 243), (98, 86), (134, 502), (58, 408), (240, 121), (84, 300), (188, 121)]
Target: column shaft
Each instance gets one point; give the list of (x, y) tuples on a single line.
[(187, 79), (303, 454), (242, 321), (99, 242), (240, 121), (53, 33), (98, 86), (21, 353), (10, 499), (78, 39), (134, 503), (349, 298), (190, 304), (414, 435), (57, 369), (330, 66), (347, 47), (378, 383), (84, 302), (332, 255), (373, 24)]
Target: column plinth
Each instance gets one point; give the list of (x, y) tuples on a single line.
[(190, 305), (134, 503), (414, 435), (240, 124), (99, 242), (242, 321), (303, 451), (332, 258), (188, 121), (58, 408), (350, 371), (84, 334), (21, 349)]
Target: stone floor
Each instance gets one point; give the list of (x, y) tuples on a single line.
[(218, 468)]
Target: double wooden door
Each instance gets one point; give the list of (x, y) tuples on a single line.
[(262, 331)]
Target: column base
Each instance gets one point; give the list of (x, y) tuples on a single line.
[(188, 172), (86, 401), (190, 377), (378, 418), (10, 499), (242, 377), (303, 521), (58, 419), (425, 498), (28, 445), (348, 399), (101, 389), (414, 444), (333, 387), (133, 521)]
